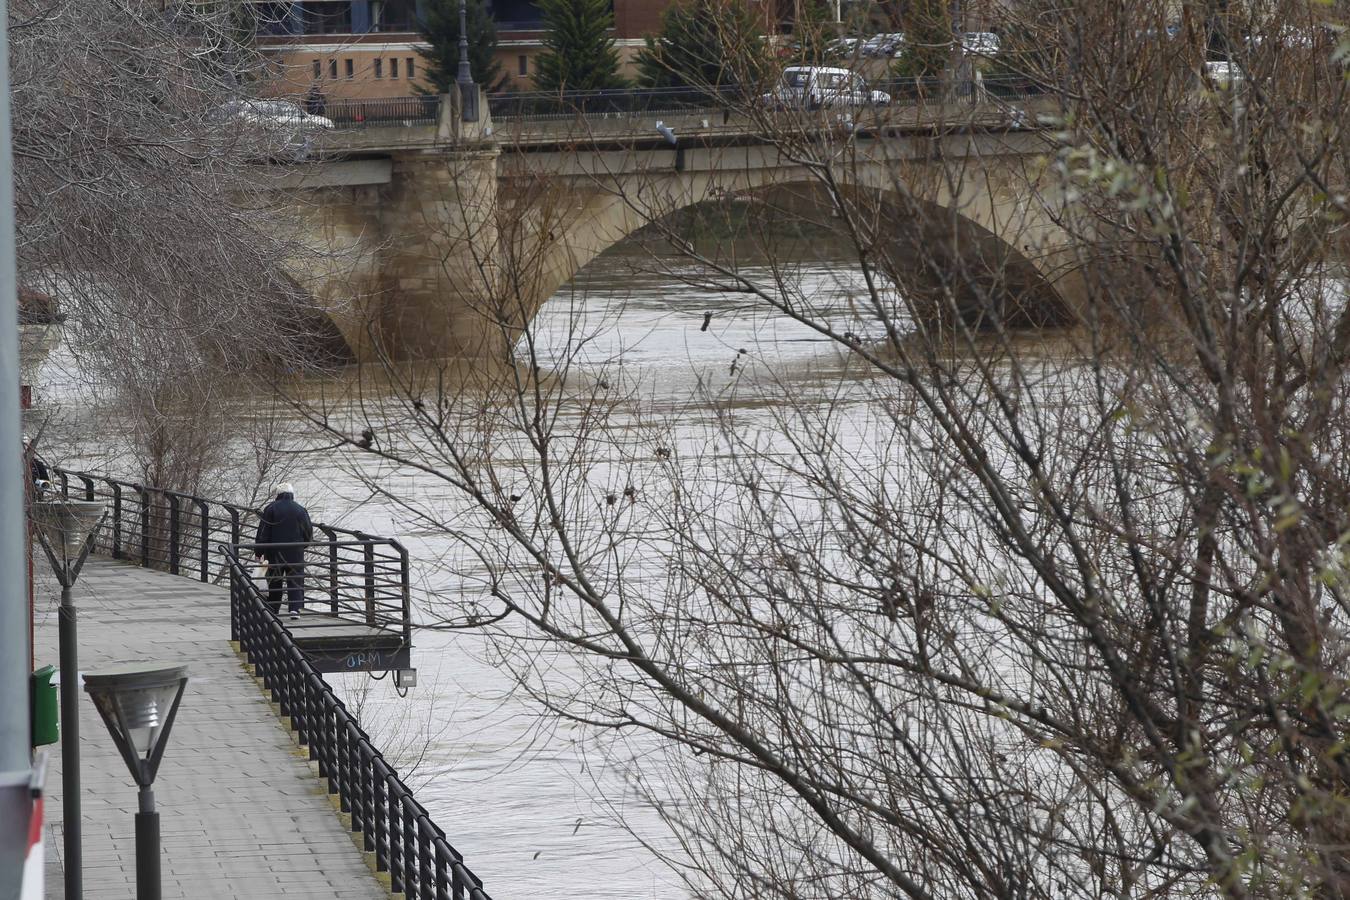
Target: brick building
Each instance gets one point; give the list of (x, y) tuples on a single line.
[(368, 48)]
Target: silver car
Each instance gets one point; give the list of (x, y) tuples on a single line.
[(814, 87)]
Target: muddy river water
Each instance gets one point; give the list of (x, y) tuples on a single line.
[(534, 805)]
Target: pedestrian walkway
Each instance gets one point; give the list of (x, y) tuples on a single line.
[(241, 815)]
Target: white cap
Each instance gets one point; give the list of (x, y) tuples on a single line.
[(285, 488)]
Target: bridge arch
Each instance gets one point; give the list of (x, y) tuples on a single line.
[(994, 237)]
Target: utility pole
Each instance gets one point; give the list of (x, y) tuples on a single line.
[(16, 768), (468, 91)]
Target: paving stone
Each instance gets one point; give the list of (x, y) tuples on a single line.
[(240, 815)]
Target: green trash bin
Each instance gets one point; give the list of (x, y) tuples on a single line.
[(43, 704)]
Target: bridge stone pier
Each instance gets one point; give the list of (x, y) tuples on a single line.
[(446, 241)]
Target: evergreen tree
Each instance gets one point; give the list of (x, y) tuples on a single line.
[(703, 43), (440, 29), (813, 28), (928, 39), (579, 54)]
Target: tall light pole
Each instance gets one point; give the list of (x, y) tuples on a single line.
[(65, 528), (468, 91)]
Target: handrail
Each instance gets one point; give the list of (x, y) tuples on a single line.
[(371, 586), (393, 826), (173, 530)]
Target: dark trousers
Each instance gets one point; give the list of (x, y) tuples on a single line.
[(286, 578)]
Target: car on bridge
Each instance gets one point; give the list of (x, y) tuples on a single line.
[(280, 128), (815, 87), (274, 115)]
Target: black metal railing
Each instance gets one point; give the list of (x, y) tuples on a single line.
[(417, 109), (361, 582), (175, 532), (394, 827)]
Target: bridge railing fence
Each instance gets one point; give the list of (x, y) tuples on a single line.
[(543, 106), (384, 112), (394, 827), (720, 104)]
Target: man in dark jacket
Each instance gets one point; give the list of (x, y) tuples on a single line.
[(285, 522)]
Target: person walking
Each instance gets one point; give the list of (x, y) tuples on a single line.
[(285, 522)]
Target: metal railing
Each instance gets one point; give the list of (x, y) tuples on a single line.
[(385, 112), (174, 532), (540, 106), (364, 583), (394, 827)]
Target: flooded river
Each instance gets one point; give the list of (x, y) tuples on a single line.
[(535, 805), (541, 808)]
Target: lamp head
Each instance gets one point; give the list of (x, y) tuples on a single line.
[(65, 525), (138, 703)]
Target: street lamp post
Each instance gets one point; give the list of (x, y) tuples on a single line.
[(468, 91), (65, 528), (138, 703)]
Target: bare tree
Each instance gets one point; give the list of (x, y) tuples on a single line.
[(1005, 612), (144, 209)]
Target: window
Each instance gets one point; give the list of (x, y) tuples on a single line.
[(379, 68), (332, 68), (326, 17), (523, 64), (393, 67), (408, 70), (318, 70), (351, 69), (395, 15)]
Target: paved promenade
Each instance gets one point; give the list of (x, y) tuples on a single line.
[(240, 814)]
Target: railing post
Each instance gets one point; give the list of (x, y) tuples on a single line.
[(236, 599), (205, 512), (145, 525), (116, 519), (411, 870), (332, 568), (407, 592), (368, 570), (380, 786), (88, 486), (172, 499), (395, 837)]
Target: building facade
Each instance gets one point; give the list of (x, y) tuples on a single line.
[(368, 48)]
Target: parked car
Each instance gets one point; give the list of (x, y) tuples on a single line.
[(813, 87), (1222, 73), (980, 43), (884, 45), (842, 48)]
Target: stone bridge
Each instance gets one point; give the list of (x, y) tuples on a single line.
[(444, 239)]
